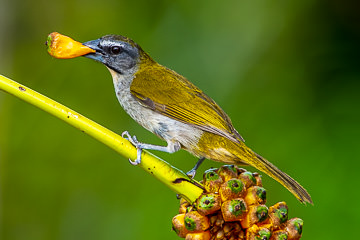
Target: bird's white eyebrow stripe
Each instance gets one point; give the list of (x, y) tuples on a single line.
[(111, 43)]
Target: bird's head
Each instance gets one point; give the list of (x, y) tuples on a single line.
[(117, 52)]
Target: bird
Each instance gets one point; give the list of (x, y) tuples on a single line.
[(170, 106)]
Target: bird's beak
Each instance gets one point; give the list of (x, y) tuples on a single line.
[(98, 55)]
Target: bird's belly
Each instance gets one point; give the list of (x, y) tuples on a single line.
[(164, 127)]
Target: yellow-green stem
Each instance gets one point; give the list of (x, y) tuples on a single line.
[(169, 175)]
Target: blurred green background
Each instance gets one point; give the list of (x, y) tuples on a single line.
[(287, 73)]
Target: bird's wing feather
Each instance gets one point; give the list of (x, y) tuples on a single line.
[(172, 95)]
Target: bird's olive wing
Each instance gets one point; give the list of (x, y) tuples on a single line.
[(172, 95)]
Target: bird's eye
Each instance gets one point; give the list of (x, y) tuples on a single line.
[(115, 49)]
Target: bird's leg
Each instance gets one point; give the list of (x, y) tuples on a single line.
[(170, 148), (191, 174)]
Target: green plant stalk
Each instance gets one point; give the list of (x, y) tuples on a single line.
[(163, 171)]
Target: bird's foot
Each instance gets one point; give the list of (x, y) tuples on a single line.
[(191, 174), (136, 143)]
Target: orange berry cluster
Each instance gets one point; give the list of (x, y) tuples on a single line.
[(233, 207)]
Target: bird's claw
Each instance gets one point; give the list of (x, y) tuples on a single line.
[(191, 174), (136, 143), (130, 138), (134, 163)]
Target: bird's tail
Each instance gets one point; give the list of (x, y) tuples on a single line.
[(294, 187)]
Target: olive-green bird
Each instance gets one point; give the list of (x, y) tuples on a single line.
[(168, 105)]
